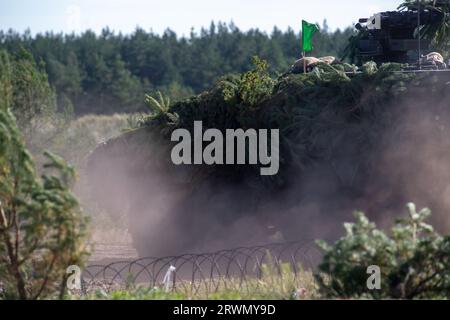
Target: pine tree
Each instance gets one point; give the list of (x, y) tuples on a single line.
[(41, 225)]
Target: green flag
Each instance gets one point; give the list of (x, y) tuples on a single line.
[(308, 30)]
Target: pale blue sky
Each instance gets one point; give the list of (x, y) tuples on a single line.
[(179, 15)]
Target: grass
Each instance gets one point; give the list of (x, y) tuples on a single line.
[(274, 284), (84, 134)]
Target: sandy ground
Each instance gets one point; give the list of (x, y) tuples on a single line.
[(107, 251), (112, 245)]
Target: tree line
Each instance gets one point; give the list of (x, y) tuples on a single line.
[(109, 72)]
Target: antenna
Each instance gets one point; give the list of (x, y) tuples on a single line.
[(418, 34)]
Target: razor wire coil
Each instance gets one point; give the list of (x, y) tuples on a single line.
[(205, 272)]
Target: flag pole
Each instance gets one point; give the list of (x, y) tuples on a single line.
[(303, 53), (304, 62)]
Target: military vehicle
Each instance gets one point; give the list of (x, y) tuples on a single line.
[(373, 141), (393, 36)]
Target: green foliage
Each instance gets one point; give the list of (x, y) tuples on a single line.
[(33, 97), (25, 90), (160, 111), (6, 90), (351, 50), (45, 125), (109, 73), (370, 68), (158, 107), (438, 32), (414, 260), (319, 115), (253, 87), (41, 225)]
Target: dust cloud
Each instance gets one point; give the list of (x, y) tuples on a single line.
[(387, 159)]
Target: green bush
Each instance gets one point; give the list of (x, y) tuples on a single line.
[(253, 87), (41, 226), (414, 260)]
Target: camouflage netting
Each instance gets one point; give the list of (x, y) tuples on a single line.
[(371, 140)]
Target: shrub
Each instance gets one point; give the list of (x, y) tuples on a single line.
[(414, 261), (253, 86), (41, 225)]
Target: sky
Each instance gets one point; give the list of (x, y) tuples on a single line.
[(181, 15)]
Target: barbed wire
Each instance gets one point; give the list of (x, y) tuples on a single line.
[(206, 272)]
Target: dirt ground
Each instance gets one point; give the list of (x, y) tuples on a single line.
[(106, 251), (111, 245)]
